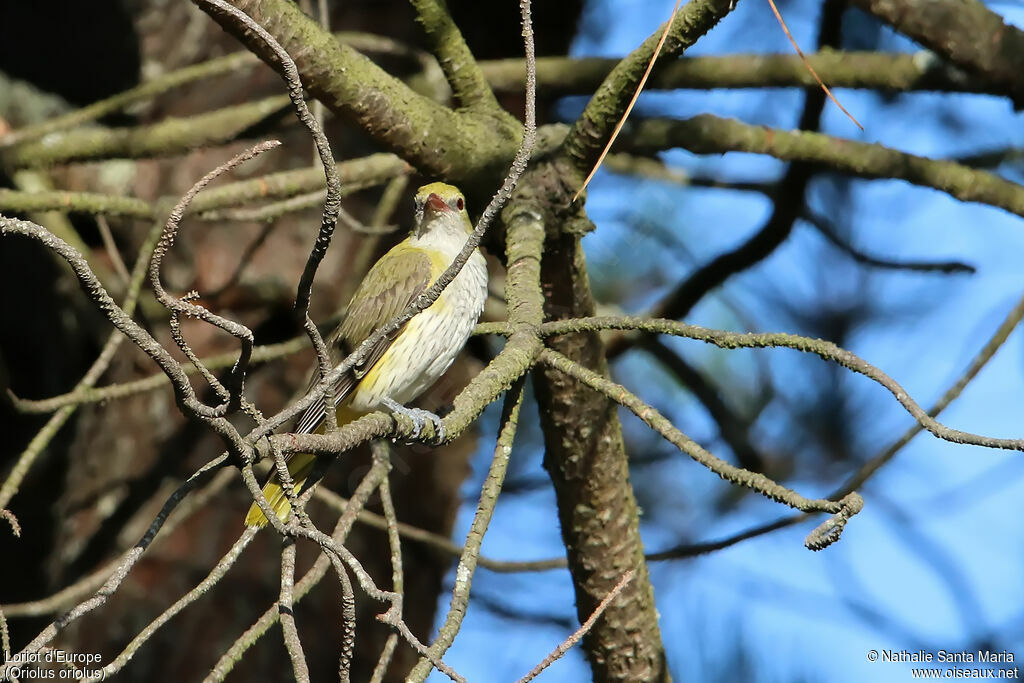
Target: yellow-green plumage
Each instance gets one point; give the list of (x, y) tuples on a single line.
[(299, 467), (405, 364)]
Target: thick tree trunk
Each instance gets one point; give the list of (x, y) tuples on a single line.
[(587, 462)]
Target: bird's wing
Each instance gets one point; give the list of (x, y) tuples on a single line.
[(387, 290)]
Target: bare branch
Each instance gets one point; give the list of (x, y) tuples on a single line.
[(475, 538), (169, 137), (233, 390), (953, 29), (215, 575), (826, 350), (657, 422), (284, 608), (567, 644), (708, 134)]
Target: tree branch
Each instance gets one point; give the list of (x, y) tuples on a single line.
[(965, 32), (708, 134), (591, 131), (457, 62), (878, 71), (436, 140), (825, 349), (169, 137)]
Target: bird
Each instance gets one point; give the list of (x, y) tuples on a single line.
[(405, 363)]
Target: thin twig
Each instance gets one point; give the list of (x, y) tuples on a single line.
[(12, 520), (807, 64), (737, 475), (77, 591), (284, 607), (260, 354), (826, 350), (363, 491), (439, 542), (215, 575), (112, 251), (5, 638), (348, 626), (381, 451), (184, 306), (332, 202), (564, 647), (45, 435), (824, 226), (632, 102), (984, 355), (122, 570), (385, 659), (475, 537)]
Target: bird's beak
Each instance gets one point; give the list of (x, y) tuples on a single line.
[(435, 202)]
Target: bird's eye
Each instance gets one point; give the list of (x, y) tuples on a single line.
[(459, 203)]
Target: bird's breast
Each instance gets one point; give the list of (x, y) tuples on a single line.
[(430, 341)]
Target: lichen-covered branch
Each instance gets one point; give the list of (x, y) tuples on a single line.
[(166, 138), (879, 71), (82, 202), (213, 204), (374, 169), (584, 451), (980, 360), (825, 349), (141, 93), (656, 421), (965, 32), (591, 131), (437, 140), (457, 62), (709, 134)]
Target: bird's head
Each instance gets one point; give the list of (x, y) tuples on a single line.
[(440, 204)]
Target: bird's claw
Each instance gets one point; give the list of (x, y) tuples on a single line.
[(419, 417)]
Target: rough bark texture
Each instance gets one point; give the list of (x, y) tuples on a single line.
[(952, 28), (452, 145), (586, 459)]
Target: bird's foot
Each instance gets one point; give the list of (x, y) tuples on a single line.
[(419, 418)]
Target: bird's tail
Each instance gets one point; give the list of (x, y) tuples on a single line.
[(299, 467)]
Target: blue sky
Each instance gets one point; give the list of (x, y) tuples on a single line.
[(934, 561)]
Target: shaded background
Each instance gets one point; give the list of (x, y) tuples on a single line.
[(932, 563)]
